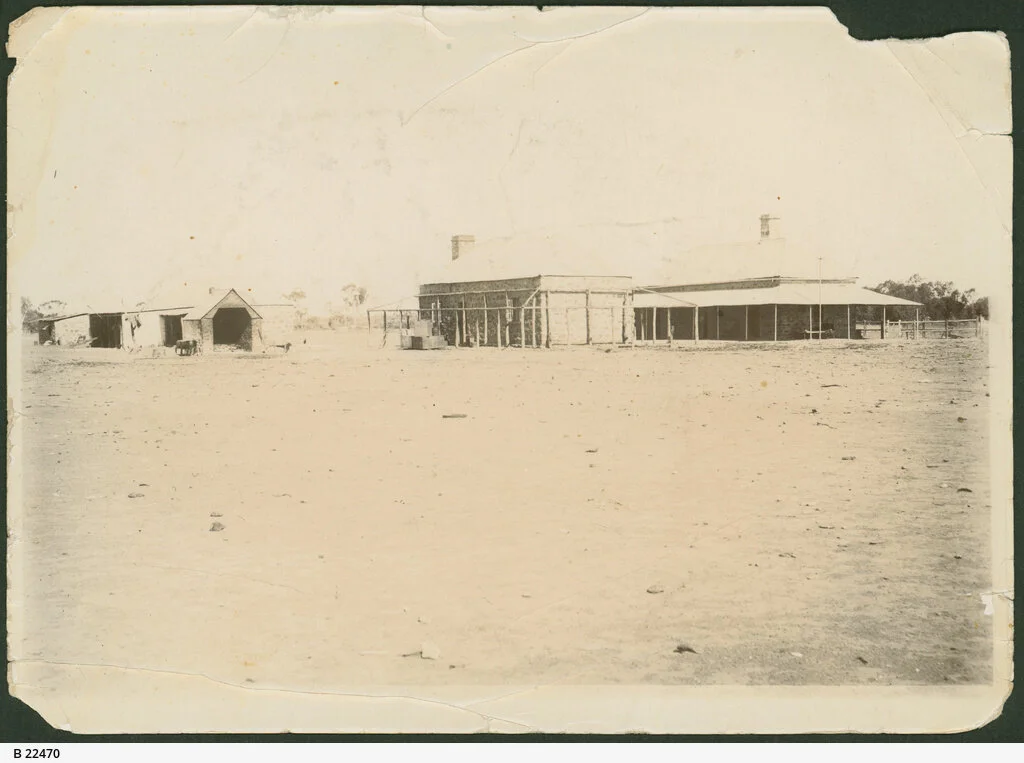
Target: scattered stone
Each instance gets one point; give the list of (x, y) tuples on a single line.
[(656, 588), (684, 649), (861, 660), (796, 654), (214, 514), (849, 458), (143, 484), (136, 495), (591, 450), (961, 419), (423, 619), (964, 490), (216, 527), (788, 554), (453, 416)]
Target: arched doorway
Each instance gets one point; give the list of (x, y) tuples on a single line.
[(232, 326)]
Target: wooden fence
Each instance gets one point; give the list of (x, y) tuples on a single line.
[(924, 329)]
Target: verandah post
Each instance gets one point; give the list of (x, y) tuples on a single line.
[(588, 317), (546, 320)]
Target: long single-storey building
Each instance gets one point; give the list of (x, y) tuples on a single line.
[(757, 309), (505, 293), (216, 319), (714, 297), (508, 293)]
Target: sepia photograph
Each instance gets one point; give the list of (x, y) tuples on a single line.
[(500, 369)]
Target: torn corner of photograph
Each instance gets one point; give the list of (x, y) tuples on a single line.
[(26, 31), (437, 369)]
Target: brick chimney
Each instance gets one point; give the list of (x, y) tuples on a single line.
[(461, 245)]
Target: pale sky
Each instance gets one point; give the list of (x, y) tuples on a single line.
[(304, 148)]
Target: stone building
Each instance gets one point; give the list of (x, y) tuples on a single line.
[(510, 294)]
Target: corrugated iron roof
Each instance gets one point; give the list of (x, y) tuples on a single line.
[(527, 257), (212, 301), (715, 263), (805, 293)]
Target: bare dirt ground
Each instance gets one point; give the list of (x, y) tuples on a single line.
[(799, 513)]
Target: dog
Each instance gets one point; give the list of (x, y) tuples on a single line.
[(186, 347), (286, 346)]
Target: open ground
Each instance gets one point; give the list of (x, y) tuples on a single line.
[(800, 513)]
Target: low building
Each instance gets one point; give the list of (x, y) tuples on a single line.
[(84, 327), (215, 318), (758, 309), (714, 297), (509, 294)]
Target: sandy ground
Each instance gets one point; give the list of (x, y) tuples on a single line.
[(798, 511)]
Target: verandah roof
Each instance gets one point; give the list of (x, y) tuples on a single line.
[(783, 294)]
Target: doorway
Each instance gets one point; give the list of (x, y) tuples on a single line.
[(232, 326), (170, 328), (105, 330)]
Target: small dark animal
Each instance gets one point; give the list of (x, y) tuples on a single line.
[(186, 347), (286, 346)]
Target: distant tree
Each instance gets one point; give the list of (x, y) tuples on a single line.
[(29, 315), (52, 307), (979, 308), (352, 298), (940, 300), (298, 298)]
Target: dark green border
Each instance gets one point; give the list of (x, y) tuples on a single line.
[(866, 20)]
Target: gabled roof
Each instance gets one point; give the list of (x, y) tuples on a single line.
[(185, 298), (219, 298)]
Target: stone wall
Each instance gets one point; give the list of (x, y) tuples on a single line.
[(490, 313)]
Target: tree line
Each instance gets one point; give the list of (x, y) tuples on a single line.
[(940, 300)]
